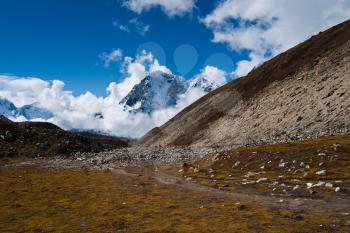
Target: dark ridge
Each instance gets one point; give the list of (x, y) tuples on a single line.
[(41, 139)]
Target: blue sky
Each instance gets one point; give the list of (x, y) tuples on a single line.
[(51, 50), (63, 40)]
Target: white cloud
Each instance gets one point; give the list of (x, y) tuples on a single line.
[(269, 27), (133, 25), (21, 90), (78, 112), (113, 56), (139, 26), (170, 7), (135, 70), (214, 74)]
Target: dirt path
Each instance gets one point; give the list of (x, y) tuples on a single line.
[(335, 205)]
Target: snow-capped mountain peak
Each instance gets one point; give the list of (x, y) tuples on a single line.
[(203, 83), (157, 90), (29, 112), (7, 108)]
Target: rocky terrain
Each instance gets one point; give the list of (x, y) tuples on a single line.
[(209, 169), (246, 189), (39, 139), (301, 93)]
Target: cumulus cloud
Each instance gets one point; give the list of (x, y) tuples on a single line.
[(110, 57), (79, 112), (21, 90), (268, 27), (215, 75), (170, 7)]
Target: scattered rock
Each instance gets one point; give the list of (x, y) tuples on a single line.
[(236, 164), (337, 189), (241, 207), (261, 180), (321, 173), (283, 164), (297, 217), (336, 147)]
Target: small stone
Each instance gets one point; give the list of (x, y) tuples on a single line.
[(195, 170), (296, 187), (320, 164), (337, 189), (302, 164), (282, 164), (261, 179), (297, 217), (336, 147), (241, 207), (236, 164), (329, 185), (321, 173), (320, 183), (322, 154)]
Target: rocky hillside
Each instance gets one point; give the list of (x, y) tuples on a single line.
[(301, 93), (33, 139)]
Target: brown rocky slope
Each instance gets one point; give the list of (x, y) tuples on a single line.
[(301, 93), (34, 139)]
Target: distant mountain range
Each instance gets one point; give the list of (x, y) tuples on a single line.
[(156, 91), (30, 112)]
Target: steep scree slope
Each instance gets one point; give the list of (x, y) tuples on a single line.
[(301, 93)]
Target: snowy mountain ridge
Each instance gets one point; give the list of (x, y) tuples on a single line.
[(160, 90), (30, 112)]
